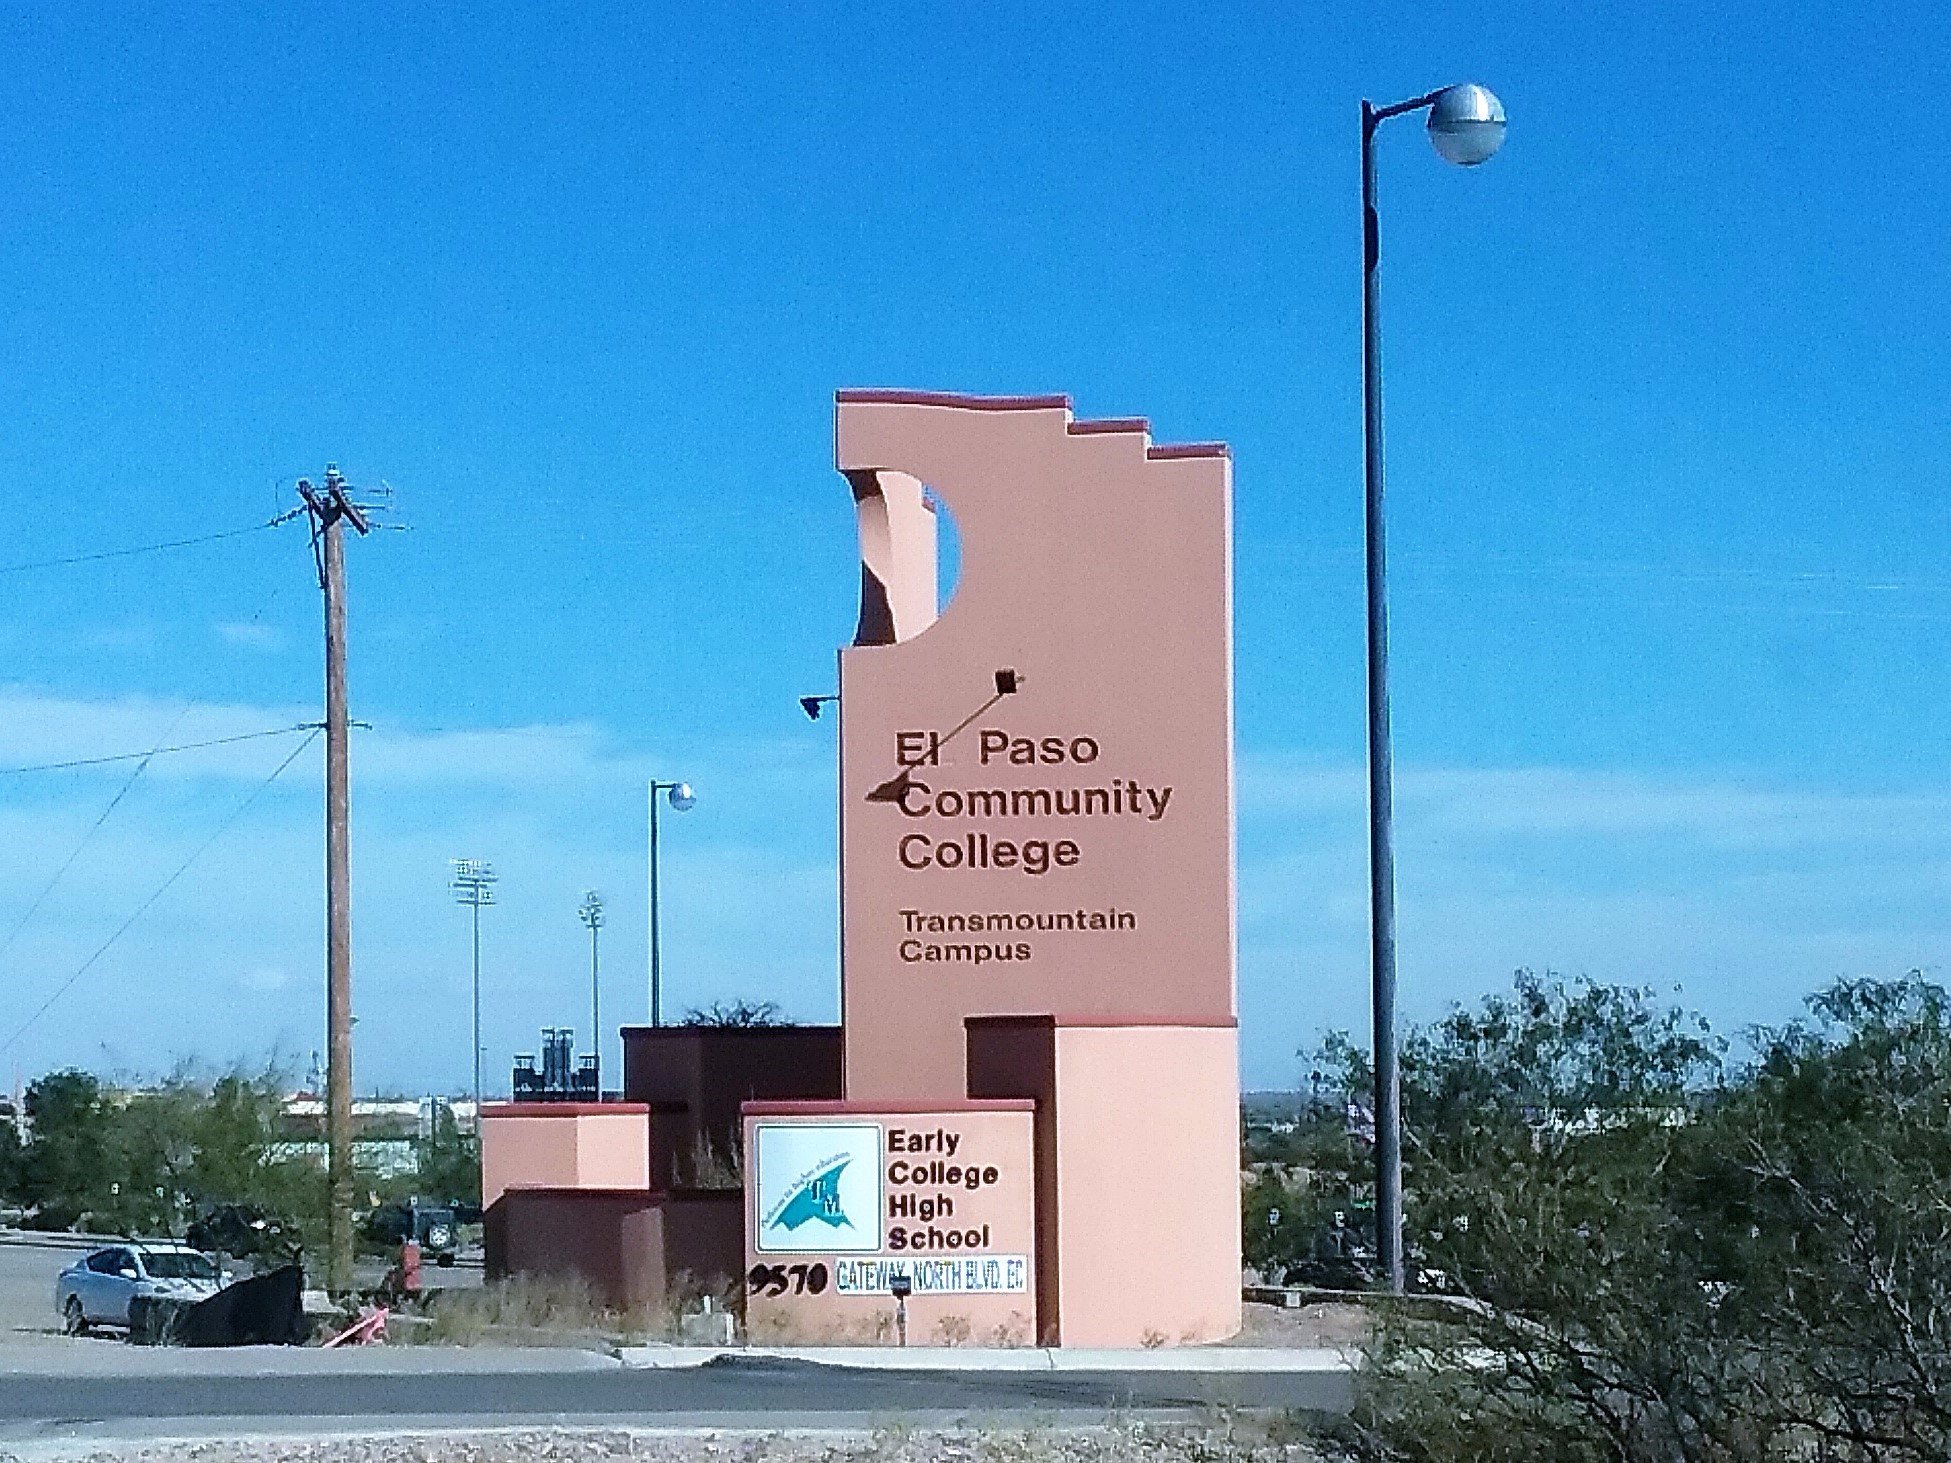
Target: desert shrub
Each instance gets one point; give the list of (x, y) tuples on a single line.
[(1655, 1257)]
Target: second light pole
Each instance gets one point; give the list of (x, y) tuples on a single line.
[(474, 885), (1466, 125), (683, 800), (591, 914)]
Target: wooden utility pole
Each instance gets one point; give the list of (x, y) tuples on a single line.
[(331, 509)]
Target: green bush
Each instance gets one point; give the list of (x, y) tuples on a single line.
[(1661, 1257), (147, 1161)]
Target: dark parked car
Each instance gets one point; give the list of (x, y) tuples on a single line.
[(242, 1231), (432, 1227)]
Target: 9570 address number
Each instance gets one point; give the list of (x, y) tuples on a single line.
[(778, 1279)]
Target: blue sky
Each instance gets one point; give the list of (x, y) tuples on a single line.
[(1668, 464)]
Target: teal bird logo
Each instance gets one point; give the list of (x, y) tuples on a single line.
[(817, 1196)]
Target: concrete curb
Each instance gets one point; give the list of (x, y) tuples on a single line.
[(55, 1239), (1217, 1360), (115, 1361)]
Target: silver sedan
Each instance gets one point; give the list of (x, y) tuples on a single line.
[(97, 1289)]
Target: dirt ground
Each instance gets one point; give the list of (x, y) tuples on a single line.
[(1323, 1323)]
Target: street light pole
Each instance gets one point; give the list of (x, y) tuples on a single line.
[(591, 914), (476, 1027), (656, 943), (1466, 126), (682, 800), (1381, 769), (474, 885)]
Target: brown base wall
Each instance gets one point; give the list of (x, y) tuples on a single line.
[(630, 1245)]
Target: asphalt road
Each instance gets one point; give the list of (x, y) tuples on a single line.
[(53, 1386), (734, 1393)]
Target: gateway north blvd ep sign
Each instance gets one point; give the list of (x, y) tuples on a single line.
[(843, 1206), (981, 1275)]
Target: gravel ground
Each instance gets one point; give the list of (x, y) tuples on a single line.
[(1320, 1323), (1145, 1444)]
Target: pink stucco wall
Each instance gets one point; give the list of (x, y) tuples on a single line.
[(564, 1145), (1096, 572), (1097, 566), (1148, 1184)]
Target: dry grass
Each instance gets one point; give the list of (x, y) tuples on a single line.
[(564, 1304), (565, 1307)]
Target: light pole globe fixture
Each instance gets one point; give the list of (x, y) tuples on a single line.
[(1466, 126), (682, 800)]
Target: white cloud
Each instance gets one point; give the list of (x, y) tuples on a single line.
[(38, 728), (229, 962), (1550, 801), (249, 635), (506, 756), (1750, 893), (1746, 894)]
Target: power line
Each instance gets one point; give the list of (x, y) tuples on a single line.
[(276, 731), (179, 543), (162, 889), (115, 802), (69, 862), (88, 837)]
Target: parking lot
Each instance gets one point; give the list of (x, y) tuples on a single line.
[(27, 1271), (29, 1263)]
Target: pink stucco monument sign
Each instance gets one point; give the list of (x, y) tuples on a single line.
[(1037, 902)]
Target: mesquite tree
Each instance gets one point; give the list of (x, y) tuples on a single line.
[(1651, 1253)]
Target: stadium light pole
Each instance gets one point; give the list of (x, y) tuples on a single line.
[(591, 914), (682, 800), (474, 886), (1466, 126)]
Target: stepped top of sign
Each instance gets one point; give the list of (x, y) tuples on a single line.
[(963, 402)]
